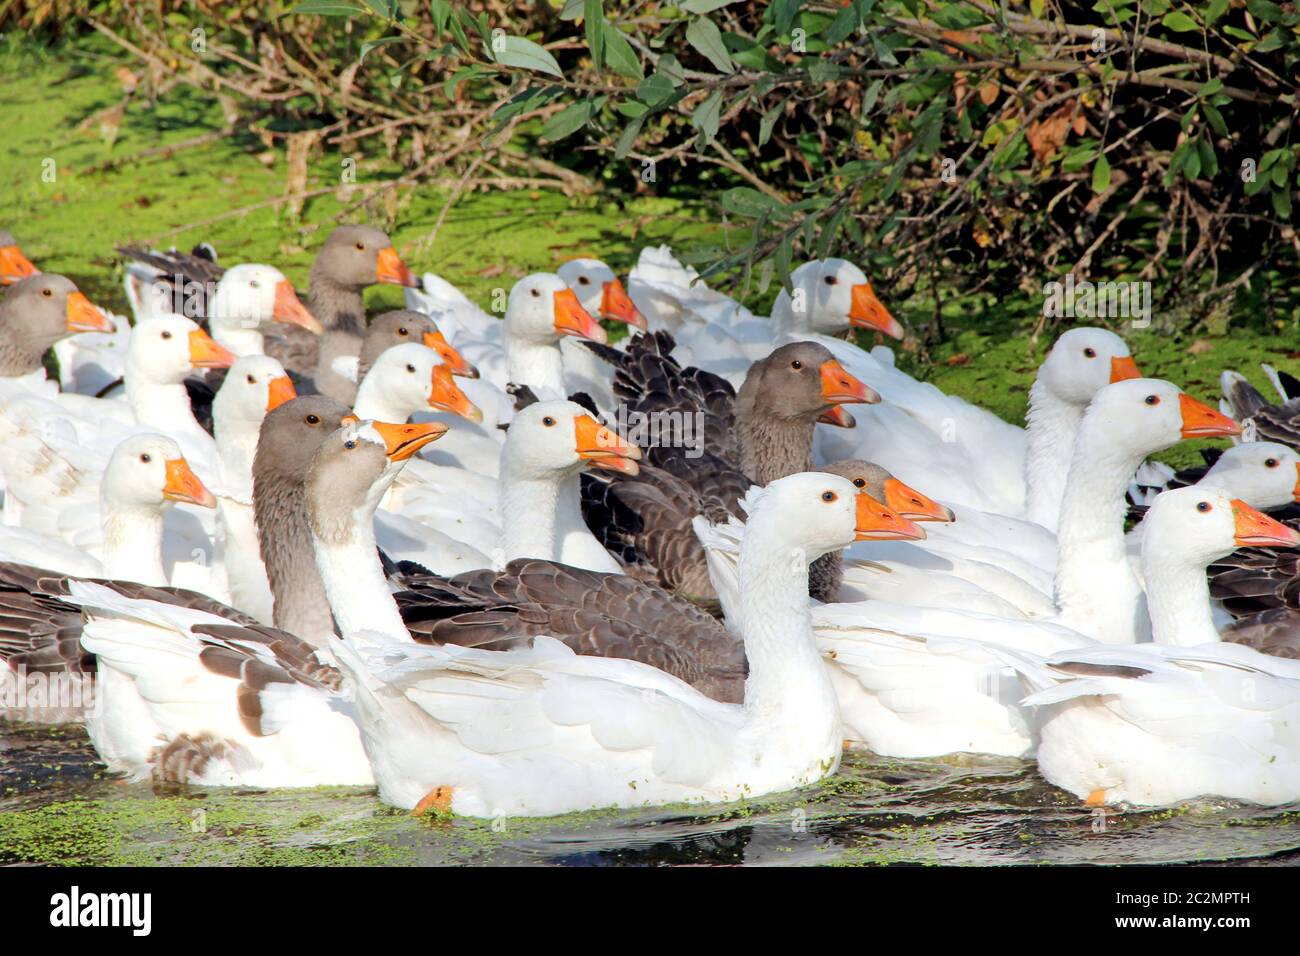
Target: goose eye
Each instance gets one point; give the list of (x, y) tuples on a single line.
[(548, 421), (401, 331), (312, 419), (1090, 353), (361, 247), (1153, 399), (166, 335), (859, 482), (350, 444), (1204, 507), (48, 293), (410, 368), (583, 280), (251, 381), (146, 458), (534, 293), (831, 280), (254, 284), (1270, 463), (796, 365), (828, 496)]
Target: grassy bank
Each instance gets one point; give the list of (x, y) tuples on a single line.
[(53, 108)]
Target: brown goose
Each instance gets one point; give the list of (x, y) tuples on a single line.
[(401, 326), (40, 631), (352, 259), (1280, 423), (598, 614), (762, 433), (37, 312), (13, 264)]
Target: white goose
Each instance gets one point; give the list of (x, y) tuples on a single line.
[(124, 517), (926, 680), (542, 731), (1187, 716)]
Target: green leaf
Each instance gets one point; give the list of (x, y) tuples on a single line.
[(784, 255), (707, 114), (823, 71), (655, 90), (385, 8), (785, 11), (1214, 10), (371, 44), (632, 108), (517, 51), (703, 34), (1180, 22), (1209, 162), (566, 122), (1192, 163), (845, 22), (1210, 88), (1101, 174), (704, 6), (869, 98), (620, 56), (768, 122), (1215, 119), (573, 9), (744, 201), (1265, 10), (328, 8), (1282, 203), (627, 139), (593, 27)]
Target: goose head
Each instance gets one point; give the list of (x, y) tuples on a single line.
[(803, 381), (1082, 361), (541, 309), (600, 292), (413, 376), (885, 488), (402, 326), (833, 294), (1263, 473), (816, 513), (290, 435), (254, 386), (1200, 525), (1144, 415), (149, 472), (355, 257), (251, 296), (166, 349), (556, 439), (40, 310), (352, 469), (13, 264)]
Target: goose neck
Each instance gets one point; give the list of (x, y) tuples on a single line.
[(373, 402), (789, 700), (299, 602), (1178, 595), (1050, 427), (537, 364), (529, 506), (336, 306), (132, 543), (354, 580), (771, 448)]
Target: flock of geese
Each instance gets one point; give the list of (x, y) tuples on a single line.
[(285, 544)]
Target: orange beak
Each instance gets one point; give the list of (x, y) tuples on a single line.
[(1256, 530), (875, 522), (911, 504), (572, 319), (14, 265), (615, 304), (450, 357), (1295, 492), (348, 419), (868, 312), (403, 441), (448, 397), (183, 485), (1202, 421), (289, 308), (205, 353), (391, 268), (1122, 367), (84, 317), (597, 444), (278, 391), (841, 388)]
